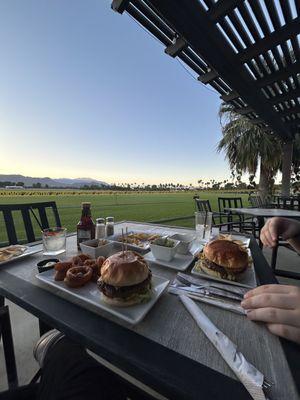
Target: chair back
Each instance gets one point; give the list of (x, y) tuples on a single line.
[(204, 206), (229, 202), (285, 202), (35, 210), (256, 201)]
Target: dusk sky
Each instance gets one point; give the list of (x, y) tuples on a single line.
[(86, 92)]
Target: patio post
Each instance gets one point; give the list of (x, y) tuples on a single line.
[(287, 155)]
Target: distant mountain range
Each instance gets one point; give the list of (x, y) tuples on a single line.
[(61, 182)]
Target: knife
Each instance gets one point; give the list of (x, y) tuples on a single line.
[(188, 280)]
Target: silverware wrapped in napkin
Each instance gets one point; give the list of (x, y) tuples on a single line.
[(251, 378), (214, 293)]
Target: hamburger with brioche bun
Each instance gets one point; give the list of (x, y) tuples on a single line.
[(223, 259), (125, 279)]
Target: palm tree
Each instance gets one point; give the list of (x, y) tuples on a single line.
[(246, 146)]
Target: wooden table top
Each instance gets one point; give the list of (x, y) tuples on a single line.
[(168, 324)]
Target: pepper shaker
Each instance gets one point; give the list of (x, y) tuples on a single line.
[(109, 226), (100, 228)]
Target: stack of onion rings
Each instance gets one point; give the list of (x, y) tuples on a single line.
[(82, 270)]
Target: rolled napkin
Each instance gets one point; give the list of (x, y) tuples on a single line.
[(249, 376)]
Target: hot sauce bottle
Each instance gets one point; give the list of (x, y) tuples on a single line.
[(86, 226)]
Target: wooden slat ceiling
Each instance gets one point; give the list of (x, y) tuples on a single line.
[(247, 50)]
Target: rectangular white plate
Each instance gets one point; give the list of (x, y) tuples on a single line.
[(246, 279), (140, 249), (28, 252), (179, 263), (245, 240), (242, 238), (89, 297)]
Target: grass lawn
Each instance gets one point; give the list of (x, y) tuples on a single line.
[(136, 206)]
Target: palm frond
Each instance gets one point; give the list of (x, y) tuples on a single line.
[(244, 143)]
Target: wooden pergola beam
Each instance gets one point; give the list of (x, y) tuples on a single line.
[(223, 7), (190, 21), (272, 40), (177, 47), (280, 75), (119, 5), (289, 111), (257, 121), (230, 96), (244, 110), (153, 29), (290, 95), (208, 77), (189, 29)]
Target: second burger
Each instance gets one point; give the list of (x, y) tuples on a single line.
[(223, 259)]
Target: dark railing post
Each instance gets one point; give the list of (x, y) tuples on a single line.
[(8, 346)]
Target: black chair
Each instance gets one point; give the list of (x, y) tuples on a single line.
[(247, 224), (256, 201), (288, 202), (229, 202), (204, 206), (282, 272), (27, 211), (238, 226)]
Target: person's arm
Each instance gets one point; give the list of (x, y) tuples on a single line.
[(288, 229)]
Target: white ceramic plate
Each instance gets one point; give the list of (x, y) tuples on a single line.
[(28, 252), (179, 263), (89, 297), (245, 240), (246, 279)]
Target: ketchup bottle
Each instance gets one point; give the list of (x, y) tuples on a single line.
[(86, 226)]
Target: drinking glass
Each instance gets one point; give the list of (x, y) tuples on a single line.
[(54, 241), (203, 224)]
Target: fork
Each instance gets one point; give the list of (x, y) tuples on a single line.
[(267, 384)]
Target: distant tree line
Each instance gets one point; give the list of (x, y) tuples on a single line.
[(202, 185), (8, 183), (37, 185), (235, 183)]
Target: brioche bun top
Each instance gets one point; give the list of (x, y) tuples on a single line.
[(124, 269), (226, 253)]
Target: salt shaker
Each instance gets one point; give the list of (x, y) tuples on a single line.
[(109, 226), (100, 228)]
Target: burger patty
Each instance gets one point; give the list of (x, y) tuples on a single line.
[(215, 267), (222, 270), (124, 291)]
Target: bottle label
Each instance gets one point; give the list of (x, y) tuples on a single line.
[(83, 235)]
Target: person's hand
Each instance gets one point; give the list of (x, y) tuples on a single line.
[(278, 306), (275, 227)]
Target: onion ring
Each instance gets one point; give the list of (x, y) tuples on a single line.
[(61, 269), (80, 259), (93, 264), (78, 276)]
